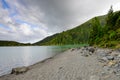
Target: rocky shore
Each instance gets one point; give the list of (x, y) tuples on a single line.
[(85, 63)]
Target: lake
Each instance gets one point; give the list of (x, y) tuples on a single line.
[(12, 57)]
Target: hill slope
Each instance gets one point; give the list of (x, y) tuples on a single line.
[(103, 31), (11, 43), (77, 35)]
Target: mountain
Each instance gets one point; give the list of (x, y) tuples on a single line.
[(77, 35), (102, 31), (12, 43)]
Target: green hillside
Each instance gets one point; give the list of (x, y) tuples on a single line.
[(103, 31), (77, 35), (11, 43), (107, 35)]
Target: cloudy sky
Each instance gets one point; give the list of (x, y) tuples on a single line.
[(33, 20)]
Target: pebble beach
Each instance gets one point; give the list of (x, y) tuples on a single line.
[(85, 63)]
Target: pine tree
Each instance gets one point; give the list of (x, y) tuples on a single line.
[(109, 19)]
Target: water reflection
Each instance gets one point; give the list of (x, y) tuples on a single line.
[(11, 57), (26, 56)]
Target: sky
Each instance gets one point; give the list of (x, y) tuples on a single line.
[(29, 21)]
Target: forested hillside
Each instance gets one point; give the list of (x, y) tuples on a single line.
[(103, 31), (77, 35), (107, 35)]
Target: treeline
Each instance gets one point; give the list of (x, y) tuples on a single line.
[(103, 31), (78, 35), (107, 35), (12, 43)]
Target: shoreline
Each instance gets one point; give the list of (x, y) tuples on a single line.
[(37, 63), (80, 63)]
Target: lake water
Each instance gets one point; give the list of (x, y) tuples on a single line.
[(12, 57)]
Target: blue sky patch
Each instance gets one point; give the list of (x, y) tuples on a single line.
[(5, 27), (5, 5), (21, 22)]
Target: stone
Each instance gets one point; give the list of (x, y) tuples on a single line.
[(110, 57), (94, 77), (118, 56), (60, 67), (72, 49), (92, 50), (115, 54), (103, 59), (19, 70), (85, 53), (112, 63), (117, 74), (103, 73), (102, 54), (107, 70)]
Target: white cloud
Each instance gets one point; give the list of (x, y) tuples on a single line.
[(40, 18), (25, 29)]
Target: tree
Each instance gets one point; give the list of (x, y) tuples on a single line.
[(96, 31), (117, 24), (109, 19)]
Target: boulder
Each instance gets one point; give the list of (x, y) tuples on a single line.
[(19, 70), (72, 49), (103, 59), (92, 49), (110, 57)]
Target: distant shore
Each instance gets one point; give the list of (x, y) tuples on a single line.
[(86, 63)]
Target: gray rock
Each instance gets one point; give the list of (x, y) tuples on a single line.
[(85, 53), (92, 50), (106, 68), (19, 70), (72, 49), (110, 57), (103, 59), (118, 74), (102, 54), (118, 56)]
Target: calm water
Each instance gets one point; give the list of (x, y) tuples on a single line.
[(11, 57)]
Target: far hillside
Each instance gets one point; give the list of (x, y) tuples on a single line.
[(77, 35), (103, 31), (11, 43)]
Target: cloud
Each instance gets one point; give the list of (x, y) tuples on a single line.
[(33, 20)]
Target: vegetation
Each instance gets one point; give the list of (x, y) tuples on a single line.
[(103, 31), (11, 43), (109, 34), (77, 35)]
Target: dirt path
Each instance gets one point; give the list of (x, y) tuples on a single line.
[(69, 65)]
